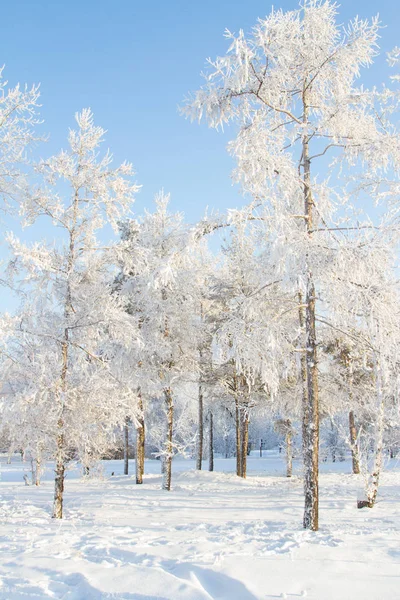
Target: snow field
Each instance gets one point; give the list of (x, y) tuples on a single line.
[(214, 536)]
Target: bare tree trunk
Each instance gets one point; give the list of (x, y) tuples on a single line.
[(238, 438), (305, 412), (312, 448), (60, 451), (353, 443), (38, 465), (211, 444), (310, 520), (200, 433), (59, 479), (126, 446), (245, 442), (140, 443), (38, 470), (289, 450), (166, 484), (380, 426), (68, 309)]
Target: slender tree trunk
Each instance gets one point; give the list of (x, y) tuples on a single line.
[(289, 450), (166, 484), (238, 438), (380, 425), (211, 444), (59, 478), (310, 520), (305, 409), (245, 442), (68, 309), (140, 443), (60, 451), (353, 443), (126, 446), (200, 433), (38, 470)]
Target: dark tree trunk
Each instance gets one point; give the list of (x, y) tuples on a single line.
[(238, 438), (166, 484), (200, 433), (211, 444), (126, 446), (140, 442), (245, 442)]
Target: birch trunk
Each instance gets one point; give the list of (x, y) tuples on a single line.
[(60, 446), (200, 431), (68, 310), (211, 444), (303, 376), (140, 443), (310, 520), (36, 464), (126, 447), (59, 478), (245, 442), (238, 439), (166, 484), (38, 470), (353, 443), (378, 459)]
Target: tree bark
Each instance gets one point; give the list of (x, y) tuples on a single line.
[(168, 452), (59, 479), (310, 520), (140, 443), (211, 444), (38, 468), (353, 443), (245, 442), (126, 446), (372, 491), (200, 432), (36, 465), (238, 438), (68, 309), (289, 450), (60, 451)]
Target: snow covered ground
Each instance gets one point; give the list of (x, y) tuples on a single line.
[(213, 537)]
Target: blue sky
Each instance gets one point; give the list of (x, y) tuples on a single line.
[(133, 62)]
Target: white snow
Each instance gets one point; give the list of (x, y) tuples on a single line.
[(214, 536)]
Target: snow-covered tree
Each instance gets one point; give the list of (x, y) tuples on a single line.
[(291, 87), (68, 310), (161, 284), (18, 121)]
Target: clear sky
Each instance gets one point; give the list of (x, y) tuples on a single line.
[(133, 62)]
